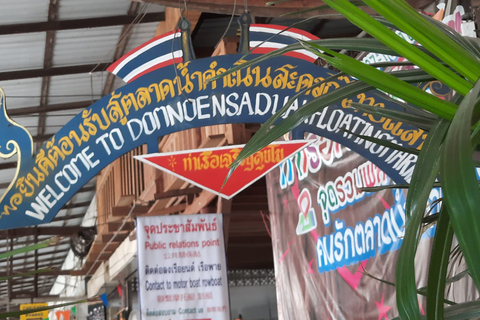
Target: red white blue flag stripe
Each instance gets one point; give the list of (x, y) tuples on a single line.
[(157, 53), (265, 38)]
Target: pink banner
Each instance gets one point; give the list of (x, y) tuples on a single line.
[(335, 247)]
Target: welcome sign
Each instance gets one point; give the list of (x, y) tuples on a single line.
[(179, 97)]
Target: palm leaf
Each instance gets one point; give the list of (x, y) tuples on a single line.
[(389, 38), (387, 82), (460, 183), (437, 271), (418, 121), (33, 247), (423, 178), (381, 142), (429, 36)]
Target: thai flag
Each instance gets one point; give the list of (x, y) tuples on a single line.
[(271, 37), (154, 54)]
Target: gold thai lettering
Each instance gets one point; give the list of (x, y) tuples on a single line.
[(394, 127), (345, 79), (266, 80), (103, 124), (362, 98), (155, 88), (187, 84), (84, 135), (66, 146), (424, 136), (54, 152), (245, 79), (320, 88), (15, 200), (92, 129), (411, 136), (40, 177), (203, 77), (25, 187), (285, 79), (127, 102), (143, 97), (43, 162), (209, 74), (167, 89), (115, 111), (305, 81), (372, 117)]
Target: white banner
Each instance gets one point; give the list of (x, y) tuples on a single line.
[(182, 268)]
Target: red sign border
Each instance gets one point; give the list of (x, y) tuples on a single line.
[(144, 158)]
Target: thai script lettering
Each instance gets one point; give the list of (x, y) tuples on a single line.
[(284, 77), (409, 137), (208, 159), (176, 297), (209, 267), (181, 227), (171, 269), (345, 190), (349, 245), (311, 159), (155, 312)]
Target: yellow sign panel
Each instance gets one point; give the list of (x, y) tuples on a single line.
[(34, 315)]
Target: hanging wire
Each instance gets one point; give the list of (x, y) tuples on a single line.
[(139, 17), (229, 23), (91, 87)]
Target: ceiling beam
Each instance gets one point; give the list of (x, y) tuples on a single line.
[(258, 7), (84, 189), (49, 108), (76, 205), (45, 262), (47, 64), (80, 23), (69, 217), (44, 298), (54, 71), (44, 231), (56, 272)]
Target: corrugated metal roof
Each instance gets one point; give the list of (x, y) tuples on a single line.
[(23, 11), (22, 51), (22, 93), (76, 87), (7, 175), (31, 123), (141, 33), (74, 9), (95, 45), (56, 120)]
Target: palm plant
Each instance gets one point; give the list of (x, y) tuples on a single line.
[(447, 155)]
